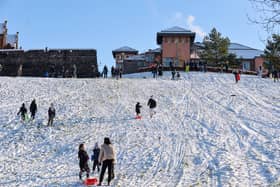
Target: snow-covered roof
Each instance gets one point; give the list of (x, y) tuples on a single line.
[(125, 49), (240, 50), (136, 57), (176, 29), (157, 50)]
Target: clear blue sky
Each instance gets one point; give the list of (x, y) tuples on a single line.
[(109, 24)]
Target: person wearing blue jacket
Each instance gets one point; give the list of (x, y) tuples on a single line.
[(94, 158)]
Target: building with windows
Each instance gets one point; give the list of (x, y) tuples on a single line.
[(176, 45), (7, 41), (250, 59), (123, 53), (177, 48)]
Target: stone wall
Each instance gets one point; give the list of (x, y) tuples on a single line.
[(51, 63)]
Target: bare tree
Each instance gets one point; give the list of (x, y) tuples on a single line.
[(269, 14)]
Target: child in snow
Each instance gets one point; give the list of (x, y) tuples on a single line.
[(178, 75), (23, 112), (137, 110), (94, 157), (237, 76), (83, 158), (107, 157)]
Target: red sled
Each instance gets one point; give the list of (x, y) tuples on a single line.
[(91, 181), (138, 117)]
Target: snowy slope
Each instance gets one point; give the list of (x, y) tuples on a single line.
[(200, 136)]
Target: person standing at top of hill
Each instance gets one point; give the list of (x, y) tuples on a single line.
[(152, 105), (112, 72), (51, 113), (108, 157), (33, 108), (105, 71), (83, 161), (275, 76), (23, 112)]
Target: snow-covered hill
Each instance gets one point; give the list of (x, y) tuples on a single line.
[(208, 131)]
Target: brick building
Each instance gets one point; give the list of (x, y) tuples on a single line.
[(80, 63), (7, 41), (176, 45)]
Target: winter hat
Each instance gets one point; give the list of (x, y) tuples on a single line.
[(107, 140)]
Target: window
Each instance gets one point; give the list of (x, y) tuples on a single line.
[(246, 66), (165, 40)]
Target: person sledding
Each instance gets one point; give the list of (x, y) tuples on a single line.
[(137, 110), (94, 158), (152, 105), (23, 112), (33, 109), (83, 161), (107, 157)]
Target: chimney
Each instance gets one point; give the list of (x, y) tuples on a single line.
[(17, 40)]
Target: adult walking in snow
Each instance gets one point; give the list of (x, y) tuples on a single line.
[(33, 108), (51, 113), (94, 157), (152, 105), (108, 158), (137, 110), (83, 161), (173, 74), (23, 112)]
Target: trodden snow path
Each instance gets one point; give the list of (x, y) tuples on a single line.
[(208, 131)]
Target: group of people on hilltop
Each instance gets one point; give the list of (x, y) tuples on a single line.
[(33, 110), (115, 72), (157, 70), (103, 156)]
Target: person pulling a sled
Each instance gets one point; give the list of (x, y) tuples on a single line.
[(107, 157), (23, 112), (152, 105), (137, 110), (94, 158), (33, 109), (83, 158)]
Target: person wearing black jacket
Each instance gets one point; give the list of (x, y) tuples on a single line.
[(83, 158), (33, 108), (137, 110), (152, 105), (22, 111), (51, 113)]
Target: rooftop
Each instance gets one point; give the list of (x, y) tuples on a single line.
[(240, 50), (124, 49), (175, 31)]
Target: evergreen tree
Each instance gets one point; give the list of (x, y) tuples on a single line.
[(272, 53), (215, 50)]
